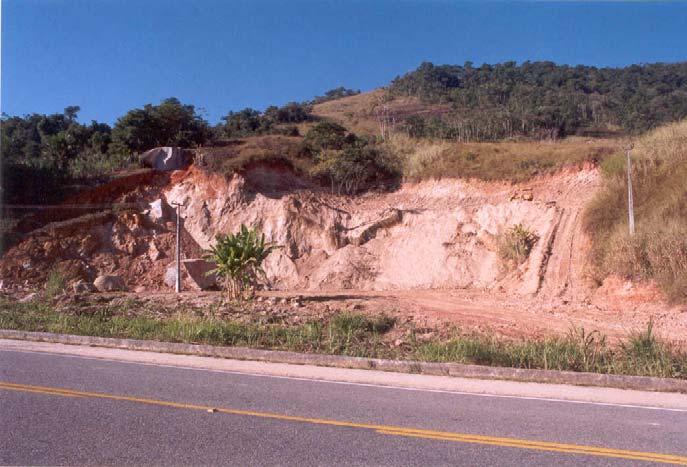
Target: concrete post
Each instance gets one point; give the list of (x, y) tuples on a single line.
[(630, 200), (177, 286)]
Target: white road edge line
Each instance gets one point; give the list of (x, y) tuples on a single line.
[(351, 383)]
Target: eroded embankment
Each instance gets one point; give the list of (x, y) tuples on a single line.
[(433, 234), (432, 247)]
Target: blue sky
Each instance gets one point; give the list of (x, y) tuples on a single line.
[(109, 56)]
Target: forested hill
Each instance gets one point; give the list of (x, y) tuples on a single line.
[(543, 99)]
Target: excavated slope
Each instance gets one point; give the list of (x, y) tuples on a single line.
[(433, 234)]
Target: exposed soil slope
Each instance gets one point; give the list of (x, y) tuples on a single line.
[(433, 234), (427, 251)]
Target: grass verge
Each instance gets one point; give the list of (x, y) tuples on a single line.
[(355, 334), (658, 250)]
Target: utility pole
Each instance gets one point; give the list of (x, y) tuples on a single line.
[(630, 201), (177, 286)]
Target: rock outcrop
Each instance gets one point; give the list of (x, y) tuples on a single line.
[(433, 234)]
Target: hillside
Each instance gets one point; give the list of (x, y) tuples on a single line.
[(360, 113), (544, 99), (536, 219), (658, 251)]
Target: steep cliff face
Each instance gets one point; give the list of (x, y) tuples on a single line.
[(433, 234)]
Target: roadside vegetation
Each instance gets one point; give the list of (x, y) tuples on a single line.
[(658, 250), (352, 334)]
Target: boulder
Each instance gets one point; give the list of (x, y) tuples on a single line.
[(197, 270), (160, 211), (171, 275), (109, 283), (164, 158), (193, 274)]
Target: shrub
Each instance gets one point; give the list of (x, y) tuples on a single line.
[(327, 135), (515, 244), (354, 167), (239, 260)]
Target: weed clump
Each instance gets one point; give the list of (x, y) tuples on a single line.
[(515, 245), (55, 284)]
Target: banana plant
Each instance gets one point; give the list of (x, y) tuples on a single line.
[(238, 259)]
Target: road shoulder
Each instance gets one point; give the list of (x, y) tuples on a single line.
[(416, 382)]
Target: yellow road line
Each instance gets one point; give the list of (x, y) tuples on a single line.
[(381, 429)]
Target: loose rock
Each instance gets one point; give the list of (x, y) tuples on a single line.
[(109, 283)]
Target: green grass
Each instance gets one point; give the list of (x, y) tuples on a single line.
[(353, 334), (345, 334), (641, 354), (55, 284)]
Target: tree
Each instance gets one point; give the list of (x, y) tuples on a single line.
[(71, 112), (327, 135), (249, 122), (543, 99), (238, 258), (42, 154), (336, 93), (243, 123), (170, 123)]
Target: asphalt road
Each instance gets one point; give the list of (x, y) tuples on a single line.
[(60, 409)]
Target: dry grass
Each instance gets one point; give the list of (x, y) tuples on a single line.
[(357, 113), (421, 159), (509, 160), (658, 251), (235, 155)]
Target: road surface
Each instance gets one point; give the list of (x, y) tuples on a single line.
[(80, 406)]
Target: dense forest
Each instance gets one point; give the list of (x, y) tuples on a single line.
[(542, 99)]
